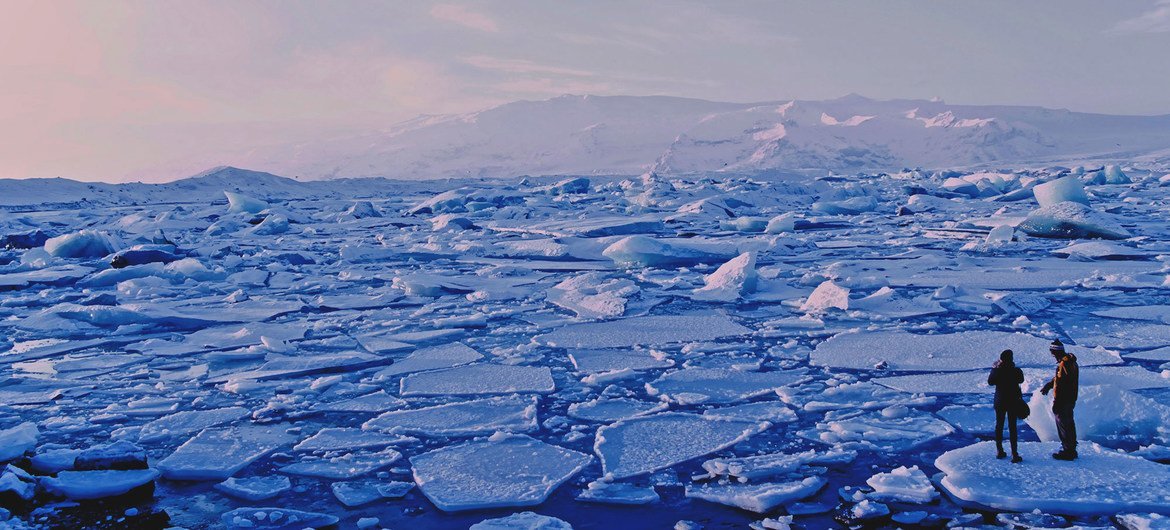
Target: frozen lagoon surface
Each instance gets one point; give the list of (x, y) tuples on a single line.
[(448, 355)]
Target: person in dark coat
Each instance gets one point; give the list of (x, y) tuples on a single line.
[(1006, 378), (1064, 398)]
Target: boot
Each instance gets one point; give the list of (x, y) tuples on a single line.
[(1016, 459), (1065, 455)]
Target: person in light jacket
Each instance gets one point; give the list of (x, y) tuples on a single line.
[(1006, 377), (1064, 398)]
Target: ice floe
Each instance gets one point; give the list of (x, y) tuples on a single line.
[(498, 472), (509, 413), (646, 444), (1100, 481)]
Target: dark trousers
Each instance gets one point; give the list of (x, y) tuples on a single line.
[(1013, 433), (1066, 427)]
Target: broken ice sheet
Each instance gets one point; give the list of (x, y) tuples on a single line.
[(967, 350), (718, 385), (597, 361), (187, 422), (431, 358), (479, 379), (759, 498), (378, 401), (254, 489), (216, 454), (343, 467), (646, 444), (509, 414), (613, 409), (649, 330), (890, 430), (498, 472), (338, 438)]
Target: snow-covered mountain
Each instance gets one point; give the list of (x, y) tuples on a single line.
[(629, 135)]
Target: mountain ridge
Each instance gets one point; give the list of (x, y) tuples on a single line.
[(627, 135)]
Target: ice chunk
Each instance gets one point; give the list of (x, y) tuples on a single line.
[(338, 438), (613, 409), (522, 521), (967, 350), (862, 395), (353, 494), (81, 244), (272, 518), (593, 295), (902, 484), (1114, 175), (571, 185), (617, 493), (1000, 235), (431, 358), (450, 221), (759, 498), (238, 202), (1106, 414), (781, 224), (598, 361), (642, 251), (498, 472), (187, 422), (15, 441), (479, 379), (1071, 220), (255, 488), (1065, 189), (1100, 481), (757, 467), (120, 454), (769, 411), (378, 401), (271, 225), (216, 454), (510, 413), (86, 485), (646, 444), (851, 206), (343, 467), (717, 385), (649, 330), (827, 295), (745, 224), (971, 419), (1100, 250), (730, 281), (874, 430)]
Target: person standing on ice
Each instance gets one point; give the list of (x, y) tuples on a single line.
[(1064, 398), (1006, 378)]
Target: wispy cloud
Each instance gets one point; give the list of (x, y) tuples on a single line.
[(1156, 20), (522, 66), (465, 17)]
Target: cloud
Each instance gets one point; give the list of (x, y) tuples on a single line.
[(1156, 20), (464, 17), (522, 66)]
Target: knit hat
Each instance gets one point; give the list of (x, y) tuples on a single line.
[(1006, 356), (1056, 346)]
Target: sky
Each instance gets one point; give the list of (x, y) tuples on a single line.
[(156, 89)]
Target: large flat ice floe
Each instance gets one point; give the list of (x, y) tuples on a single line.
[(497, 472), (509, 413), (717, 385), (646, 444), (647, 331), (1101, 481), (479, 379), (944, 352)]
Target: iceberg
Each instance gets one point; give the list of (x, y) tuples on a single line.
[(731, 281), (1071, 220), (642, 251), (81, 244), (1064, 189)]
